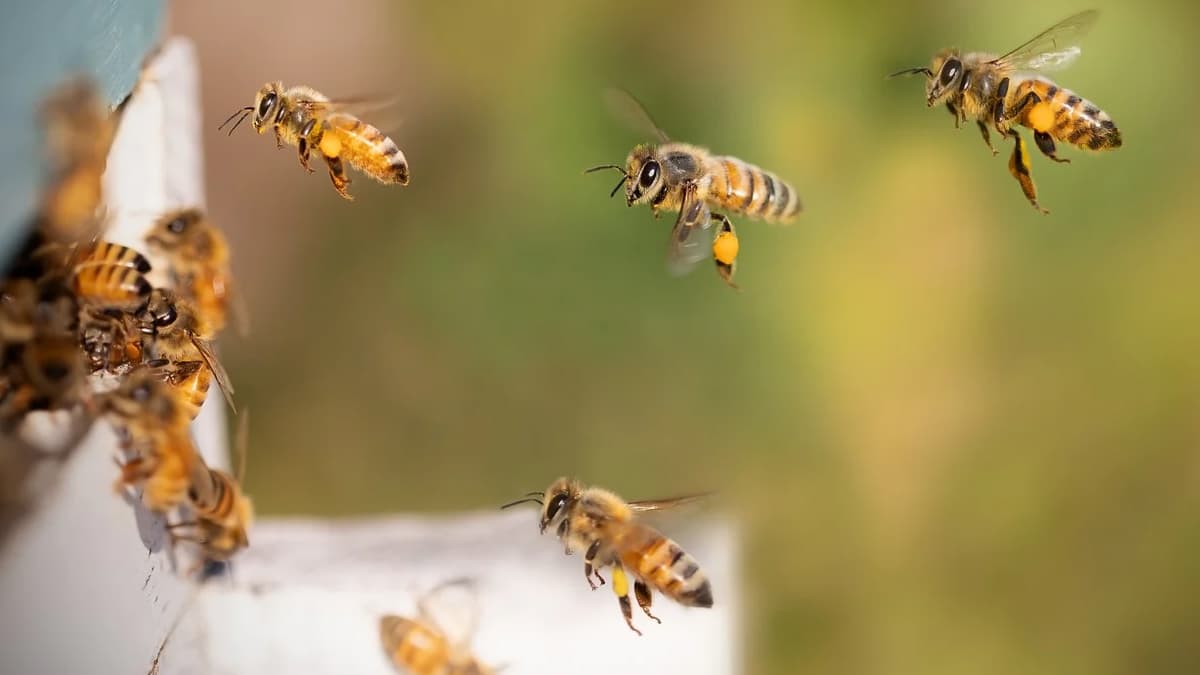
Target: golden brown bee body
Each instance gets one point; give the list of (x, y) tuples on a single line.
[(79, 131), (307, 119), (605, 529), (180, 347), (198, 258), (110, 286), (419, 648), (689, 180), (225, 514), (1000, 92)]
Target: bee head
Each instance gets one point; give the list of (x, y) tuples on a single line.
[(643, 175), (555, 501), (174, 227), (943, 76), (268, 106)]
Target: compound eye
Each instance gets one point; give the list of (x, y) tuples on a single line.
[(950, 71), (166, 318), (177, 226), (141, 393), (649, 174), (556, 504), (264, 106)]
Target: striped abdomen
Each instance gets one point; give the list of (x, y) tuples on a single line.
[(414, 647), (193, 389), (745, 188), (116, 254), (108, 285), (218, 503), (366, 148), (660, 562), (1066, 116)]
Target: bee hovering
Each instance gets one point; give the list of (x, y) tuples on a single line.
[(309, 120), (425, 645), (1003, 91), (605, 528), (683, 178)]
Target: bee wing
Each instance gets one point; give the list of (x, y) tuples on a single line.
[(670, 503), (689, 242), (453, 608), (629, 110), (1054, 48), (218, 370), (382, 111)]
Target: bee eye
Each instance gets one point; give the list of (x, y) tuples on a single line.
[(141, 393), (950, 71), (556, 503), (649, 174), (166, 318), (264, 106), (177, 226)]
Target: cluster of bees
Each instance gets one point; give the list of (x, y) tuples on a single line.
[(83, 331)]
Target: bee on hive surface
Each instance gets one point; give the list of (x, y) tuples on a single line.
[(1004, 91), (423, 646), (198, 258), (605, 528), (688, 179), (307, 119), (179, 345)]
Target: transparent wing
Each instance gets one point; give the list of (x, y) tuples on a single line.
[(629, 110), (690, 242), (1054, 48), (382, 111), (642, 505), (453, 608), (218, 370)]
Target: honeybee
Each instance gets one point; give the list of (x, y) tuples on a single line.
[(198, 256), (1003, 91), (43, 368), (223, 512), (690, 180), (605, 529), (422, 646), (165, 461), (79, 132), (180, 347), (304, 117)]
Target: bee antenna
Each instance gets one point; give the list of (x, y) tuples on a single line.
[(244, 112), (606, 166), (522, 501), (912, 71)]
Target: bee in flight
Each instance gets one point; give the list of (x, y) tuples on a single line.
[(683, 178), (1003, 91), (307, 119), (605, 528), (423, 646)]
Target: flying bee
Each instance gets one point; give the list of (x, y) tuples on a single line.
[(683, 178), (605, 529), (198, 257), (1003, 91), (179, 345), (307, 119), (165, 462), (422, 646), (79, 131)]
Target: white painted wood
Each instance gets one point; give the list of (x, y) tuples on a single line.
[(306, 597), (86, 582)]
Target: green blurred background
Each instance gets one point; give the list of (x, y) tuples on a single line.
[(961, 436)]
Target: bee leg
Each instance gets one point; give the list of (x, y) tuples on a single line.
[(337, 174), (588, 570), (953, 111), (987, 137), (1018, 166), (304, 150), (642, 591), (725, 250), (1045, 143), (621, 588)]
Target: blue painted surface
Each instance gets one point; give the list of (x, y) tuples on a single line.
[(43, 42)]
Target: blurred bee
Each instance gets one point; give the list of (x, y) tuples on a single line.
[(43, 368), (1003, 91), (198, 256), (79, 131), (165, 462), (605, 529), (304, 117), (223, 512), (179, 345), (690, 180), (422, 647)]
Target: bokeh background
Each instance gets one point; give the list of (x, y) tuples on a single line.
[(961, 436)]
